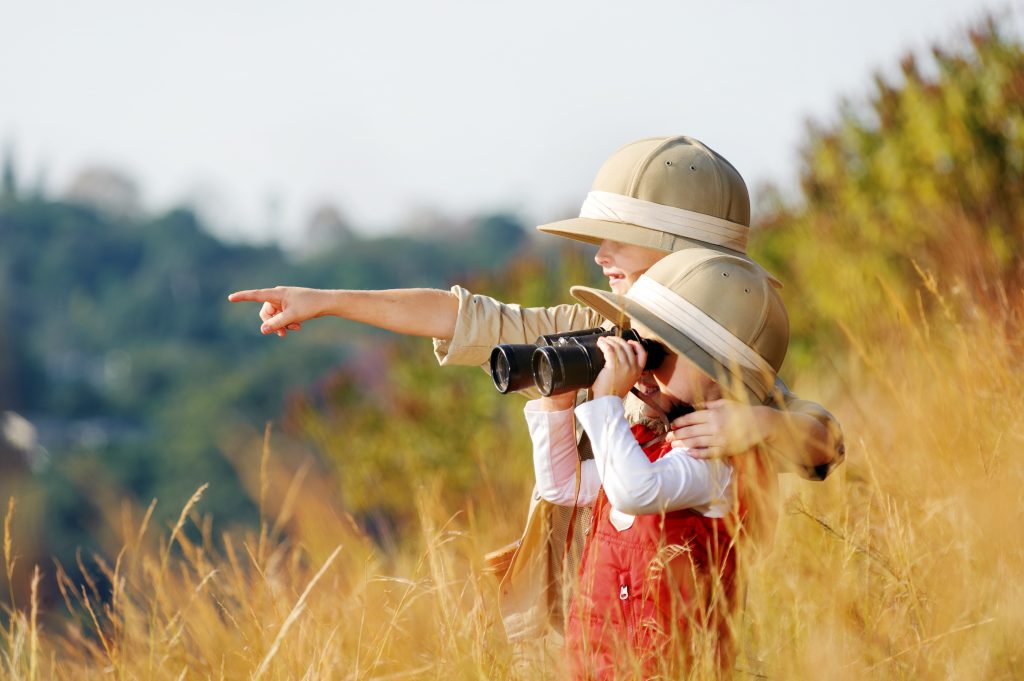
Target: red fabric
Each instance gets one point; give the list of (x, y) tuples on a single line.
[(643, 590)]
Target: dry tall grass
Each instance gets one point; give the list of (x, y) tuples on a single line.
[(905, 564)]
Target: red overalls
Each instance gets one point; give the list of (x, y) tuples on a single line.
[(644, 591)]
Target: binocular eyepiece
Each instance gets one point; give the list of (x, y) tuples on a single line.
[(561, 361)]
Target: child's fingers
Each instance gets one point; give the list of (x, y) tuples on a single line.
[(639, 353), (627, 357), (610, 341), (702, 428), (622, 348), (619, 372), (613, 350), (268, 310), (687, 432), (278, 322)]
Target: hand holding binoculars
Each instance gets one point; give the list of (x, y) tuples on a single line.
[(560, 362)]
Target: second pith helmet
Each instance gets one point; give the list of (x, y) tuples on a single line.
[(720, 311)]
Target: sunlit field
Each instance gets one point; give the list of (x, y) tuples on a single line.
[(902, 274), (904, 564)]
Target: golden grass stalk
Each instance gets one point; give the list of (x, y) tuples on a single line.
[(196, 496), (294, 615), (33, 660), (9, 558)]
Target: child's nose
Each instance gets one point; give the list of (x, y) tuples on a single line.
[(604, 254)]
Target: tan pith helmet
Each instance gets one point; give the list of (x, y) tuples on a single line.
[(666, 193), (720, 311)]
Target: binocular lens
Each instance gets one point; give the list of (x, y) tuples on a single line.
[(509, 367), (559, 367), (501, 373), (543, 373)]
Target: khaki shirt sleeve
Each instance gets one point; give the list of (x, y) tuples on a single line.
[(484, 322), (792, 403)]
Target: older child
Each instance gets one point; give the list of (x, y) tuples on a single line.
[(657, 580)]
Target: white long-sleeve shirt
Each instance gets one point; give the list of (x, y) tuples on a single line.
[(633, 484)]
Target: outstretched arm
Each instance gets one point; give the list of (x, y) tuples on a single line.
[(805, 438), (415, 311)]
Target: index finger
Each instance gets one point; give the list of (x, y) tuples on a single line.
[(257, 295)]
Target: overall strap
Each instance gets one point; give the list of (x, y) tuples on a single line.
[(584, 452)]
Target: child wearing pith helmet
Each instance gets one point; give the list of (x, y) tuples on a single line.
[(657, 582)]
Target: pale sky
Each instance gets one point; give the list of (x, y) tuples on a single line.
[(390, 108)]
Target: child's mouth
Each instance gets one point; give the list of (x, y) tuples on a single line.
[(646, 386), (649, 393), (614, 277)]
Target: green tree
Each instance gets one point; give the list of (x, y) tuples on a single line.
[(926, 173)]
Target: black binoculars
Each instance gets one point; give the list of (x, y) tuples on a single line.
[(560, 362)]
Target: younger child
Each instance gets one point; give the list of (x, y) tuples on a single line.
[(658, 577)]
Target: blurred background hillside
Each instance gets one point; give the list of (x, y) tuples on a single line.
[(125, 376), (127, 368)]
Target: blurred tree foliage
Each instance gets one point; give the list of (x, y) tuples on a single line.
[(927, 172), (121, 348)]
